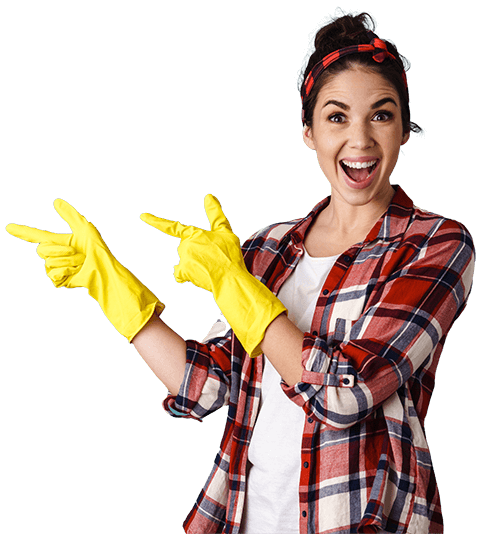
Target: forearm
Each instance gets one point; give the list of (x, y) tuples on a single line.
[(164, 351), (282, 344)]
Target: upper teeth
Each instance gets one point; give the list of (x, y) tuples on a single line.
[(359, 165)]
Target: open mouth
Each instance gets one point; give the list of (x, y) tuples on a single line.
[(357, 171)]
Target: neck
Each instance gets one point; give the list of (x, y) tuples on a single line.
[(347, 219)]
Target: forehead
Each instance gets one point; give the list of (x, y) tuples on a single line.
[(357, 85)]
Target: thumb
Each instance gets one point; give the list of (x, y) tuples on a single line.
[(218, 220), (69, 214)]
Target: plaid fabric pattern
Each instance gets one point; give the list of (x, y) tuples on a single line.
[(379, 51), (369, 366)]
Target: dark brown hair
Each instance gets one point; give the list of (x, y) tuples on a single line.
[(349, 30)]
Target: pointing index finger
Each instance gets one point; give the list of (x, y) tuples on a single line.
[(173, 228), (34, 235)]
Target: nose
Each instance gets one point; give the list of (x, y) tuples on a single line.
[(360, 136)]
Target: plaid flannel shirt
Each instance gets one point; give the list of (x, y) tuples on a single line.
[(369, 363)]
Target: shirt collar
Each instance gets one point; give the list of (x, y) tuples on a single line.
[(392, 224)]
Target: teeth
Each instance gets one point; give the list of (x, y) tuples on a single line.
[(358, 165)]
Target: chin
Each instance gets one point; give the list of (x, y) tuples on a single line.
[(361, 196)]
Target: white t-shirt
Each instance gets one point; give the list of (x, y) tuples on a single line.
[(272, 497)]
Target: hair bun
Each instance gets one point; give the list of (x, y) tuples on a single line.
[(344, 31)]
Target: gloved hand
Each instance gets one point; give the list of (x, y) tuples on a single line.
[(213, 261), (82, 259)]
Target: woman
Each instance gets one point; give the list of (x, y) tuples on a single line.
[(325, 433)]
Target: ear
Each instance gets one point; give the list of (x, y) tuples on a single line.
[(308, 137), (406, 136)]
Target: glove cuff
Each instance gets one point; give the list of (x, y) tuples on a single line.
[(125, 300), (249, 307)]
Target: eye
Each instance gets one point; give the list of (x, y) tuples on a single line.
[(338, 118), (383, 116)]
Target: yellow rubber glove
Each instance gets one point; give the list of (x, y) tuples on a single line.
[(213, 261), (82, 259)]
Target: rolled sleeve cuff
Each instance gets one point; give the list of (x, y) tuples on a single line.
[(173, 409), (321, 368)]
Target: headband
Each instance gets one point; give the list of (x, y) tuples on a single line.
[(379, 54)]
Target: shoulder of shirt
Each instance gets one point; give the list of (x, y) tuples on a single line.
[(272, 232), (424, 219), (426, 228)]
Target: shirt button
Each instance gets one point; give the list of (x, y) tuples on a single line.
[(347, 258), (325, 292), (304, 514), (306, 464), (310, 420), (346, 381), (315, 333)]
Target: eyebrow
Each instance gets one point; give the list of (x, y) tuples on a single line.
[(377, 104)]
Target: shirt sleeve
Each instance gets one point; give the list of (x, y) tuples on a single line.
[(207, 379), (403, 327)]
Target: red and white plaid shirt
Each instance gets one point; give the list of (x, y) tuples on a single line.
[(369, 362)]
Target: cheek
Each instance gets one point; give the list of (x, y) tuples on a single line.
[(328, 158), (325, 155), (392, 142)]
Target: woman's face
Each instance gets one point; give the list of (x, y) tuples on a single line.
[(357, 132)]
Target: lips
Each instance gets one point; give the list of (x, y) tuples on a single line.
[(359, 172)]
